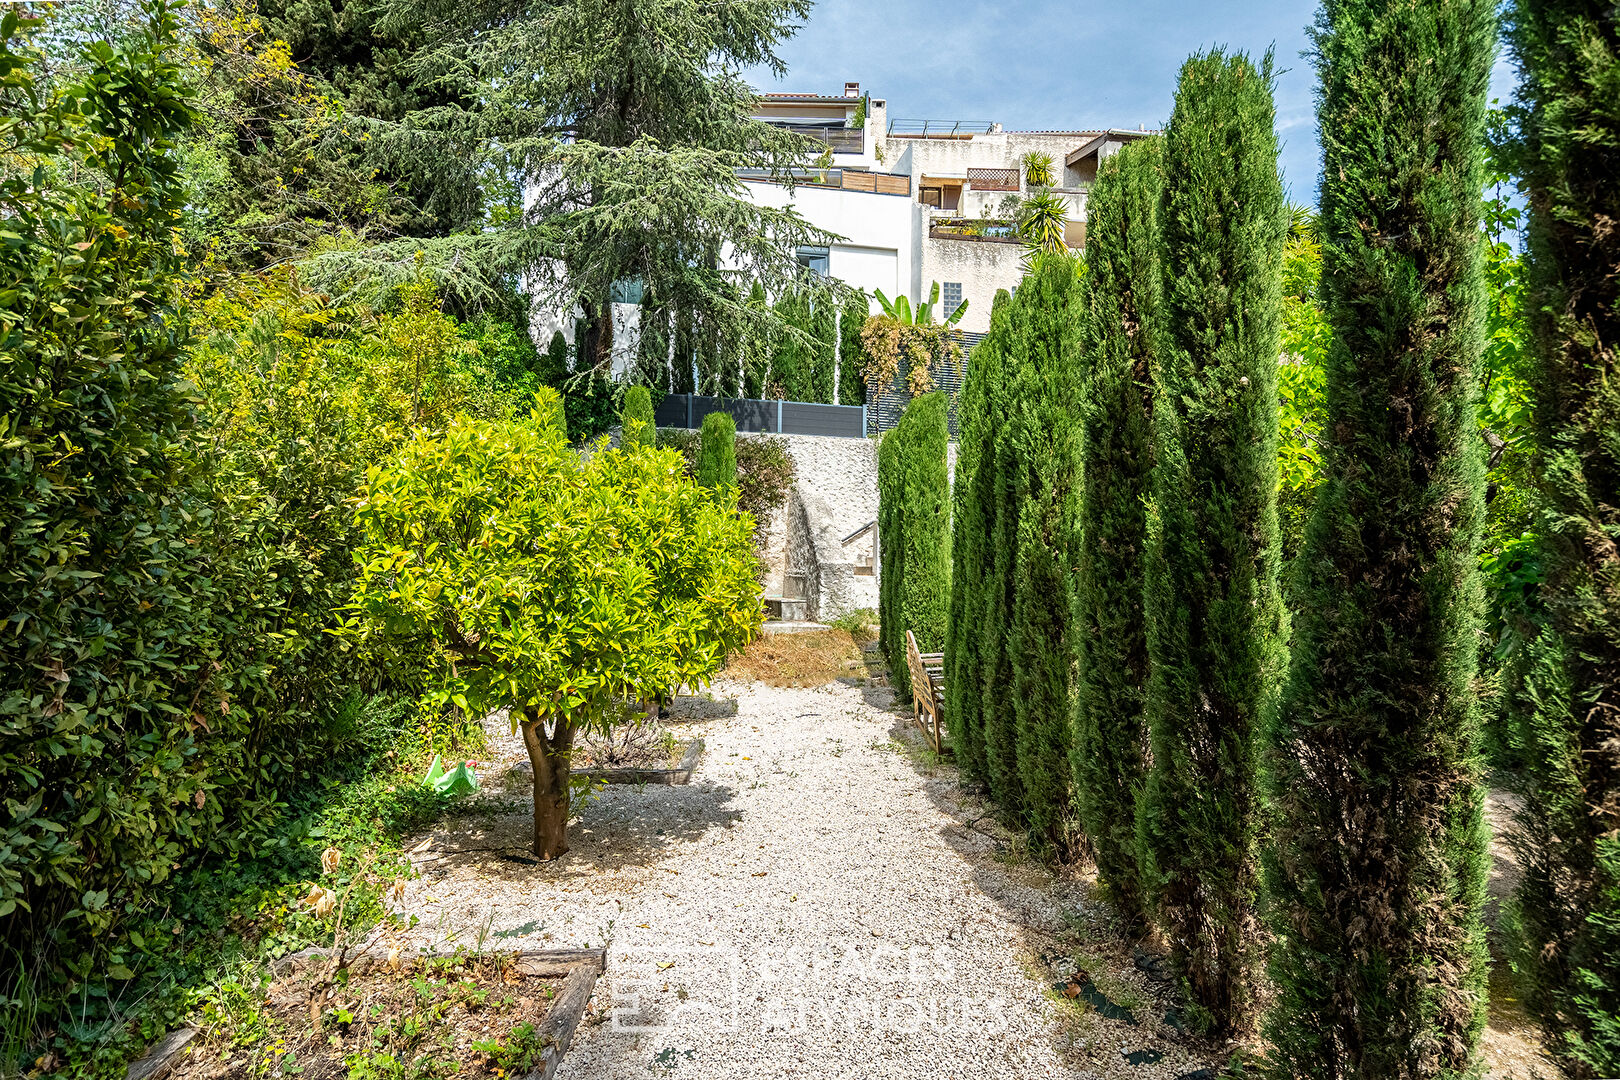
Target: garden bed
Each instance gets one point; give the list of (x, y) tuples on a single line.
[(492, 1014)]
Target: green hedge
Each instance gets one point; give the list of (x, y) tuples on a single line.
[(1118, 314), (717, 453), (1566, 914), (1214, 615)]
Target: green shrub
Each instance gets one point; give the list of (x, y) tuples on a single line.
[(652, 344), (792, 362), (1566, 925), (824, 350), (758, 344), (851, 353), (1047, 390), (891, 559), (586, 581), (925, 519), (637, 420), (1214, 616), (971, 521), (1118, 325), (553, 366), (717, 454), (1379, 872)]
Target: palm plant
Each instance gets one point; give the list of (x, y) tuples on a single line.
[(1041, 221), (900, 309), (1038, 169)]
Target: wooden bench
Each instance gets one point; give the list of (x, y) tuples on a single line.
[(927, 690)]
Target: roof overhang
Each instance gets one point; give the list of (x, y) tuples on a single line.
[(1093, 145)]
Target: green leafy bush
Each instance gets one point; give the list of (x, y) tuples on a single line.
[(637, 420), (717, 454), (586, 581)]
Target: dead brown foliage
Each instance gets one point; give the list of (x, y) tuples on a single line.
[(809, 659)]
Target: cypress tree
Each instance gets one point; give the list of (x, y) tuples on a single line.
[(925, 522), (891, 559), (652, 344), (1566, 917), (1114, 342), (971, 522), (1008, 485), (552, 365), (1214, 617), (757, 346), (790, 365), (851, 353), (717, 453), (684, 359), (824, 353), (1379, 869), (636, 422), (1048, 392)]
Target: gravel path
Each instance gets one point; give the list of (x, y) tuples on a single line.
[(817, 903)]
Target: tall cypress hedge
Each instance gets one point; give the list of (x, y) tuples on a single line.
[(757, 346), (1214, 616), (824, 353), (1567, 911), (1379, 870), (790, 366), (973, 496), (1007, 458), (1119, 309), (851, 353), (1048, 390), (891, 558), (652, 344), (925, 522), (683, 360)]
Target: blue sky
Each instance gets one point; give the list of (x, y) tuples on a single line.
[(1040, 65)]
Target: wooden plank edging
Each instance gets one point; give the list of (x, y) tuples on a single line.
[(680, 774), (557, 1029)]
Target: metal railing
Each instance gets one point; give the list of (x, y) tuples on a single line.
[(842, 140), (939, 129)]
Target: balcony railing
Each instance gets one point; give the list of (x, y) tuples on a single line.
[(848, 179), (939, 129), (991, 230), (842, 140)]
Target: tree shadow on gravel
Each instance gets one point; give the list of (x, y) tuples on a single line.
[(627, 826), (1115, 1016)]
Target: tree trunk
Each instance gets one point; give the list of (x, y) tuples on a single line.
[(549, 758)]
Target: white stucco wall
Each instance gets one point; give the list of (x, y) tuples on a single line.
[(878, 249)]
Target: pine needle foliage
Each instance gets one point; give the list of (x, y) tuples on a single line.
[(636, 422), (1047, 391), (973, 497), (1378, 874), (1117, 324), (1214, 616), (652, 345), (1567, 911)]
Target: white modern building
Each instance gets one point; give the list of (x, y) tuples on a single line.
[(920, 201), (911, 202)]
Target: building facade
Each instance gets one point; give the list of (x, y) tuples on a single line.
[(914, 202)]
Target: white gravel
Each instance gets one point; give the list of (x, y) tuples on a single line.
[(817, 903)]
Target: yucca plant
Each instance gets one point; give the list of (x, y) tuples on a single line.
[(1041, 220), (1038, 169)]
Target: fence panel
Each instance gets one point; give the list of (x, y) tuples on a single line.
[(753, 414)]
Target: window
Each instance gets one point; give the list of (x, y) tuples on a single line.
[(952, 292), (627, 291), (813, 259)]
